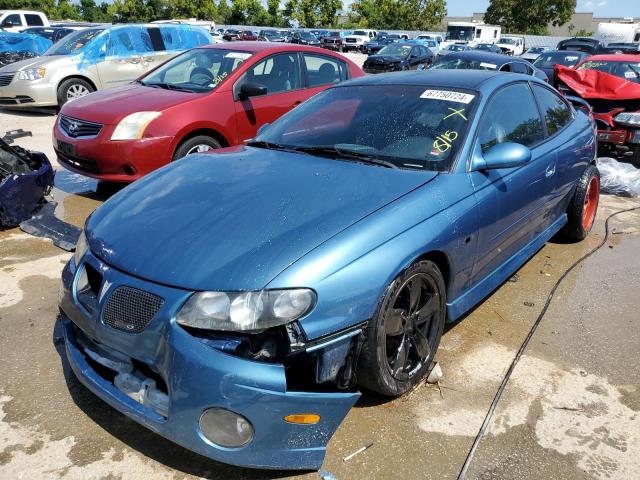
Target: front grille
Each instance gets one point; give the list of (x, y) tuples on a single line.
[(78, 128), (84, 164), (5, 78), (130, 310), (351, 40)]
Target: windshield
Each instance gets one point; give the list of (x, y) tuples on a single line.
[(549, 60), (396, 50), (270, 33), (360, 33), (484, 46), (459, 33), (401, 126), (507, 41), (627, 70), (307, 36), (536, 50), (447, 63), (74, 42), (198, 70)]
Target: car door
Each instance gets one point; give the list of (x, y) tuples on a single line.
[(573, 152), (123, 61), (13, 23), (281, 74), (510, 200)]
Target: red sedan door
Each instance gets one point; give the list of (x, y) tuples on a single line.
[(282, 76)]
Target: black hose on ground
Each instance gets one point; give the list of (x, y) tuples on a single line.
[(525, 343)]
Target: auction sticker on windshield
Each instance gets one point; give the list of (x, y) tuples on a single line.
[(448, 95), (240, 55)]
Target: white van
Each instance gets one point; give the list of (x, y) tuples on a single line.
[(17, 20)]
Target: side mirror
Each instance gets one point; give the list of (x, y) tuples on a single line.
[(262, 128), (502, 155), (251, 89), (9, 24)]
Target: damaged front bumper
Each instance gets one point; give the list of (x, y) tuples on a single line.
[(186, 376)]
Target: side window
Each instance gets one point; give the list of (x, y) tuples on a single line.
[(511, 116), (322, 70), (33, 20), (279, 73), (125, 42), (478, 33), (517, 67), (555, 111), (13, 19)]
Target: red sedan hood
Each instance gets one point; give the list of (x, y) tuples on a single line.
[(597, 84), (112, 105)]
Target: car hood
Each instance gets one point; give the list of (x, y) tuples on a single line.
[(110, 106), (234, 220), (35, 62)]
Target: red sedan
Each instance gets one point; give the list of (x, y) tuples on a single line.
[(210, 97)]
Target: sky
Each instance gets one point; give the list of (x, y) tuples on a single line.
[(600, 8)]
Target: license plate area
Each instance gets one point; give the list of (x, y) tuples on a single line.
[(66, 148)]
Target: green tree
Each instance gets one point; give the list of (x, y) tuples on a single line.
[(276, 18), (398, 14), (312, 13), (527, 16), (248, 12), (91, 12), (66, 11), (224, 12), (130, 11), (46, 6)]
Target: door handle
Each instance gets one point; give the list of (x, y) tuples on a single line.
[(551, 169)]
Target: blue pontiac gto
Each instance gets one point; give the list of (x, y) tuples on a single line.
[(231, 302)]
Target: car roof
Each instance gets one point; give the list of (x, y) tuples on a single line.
[(466, 79), (617, 57), (258, 47), (483, 56)]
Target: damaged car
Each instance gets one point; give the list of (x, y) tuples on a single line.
[(611, 86), (234, 301), (19, 46)]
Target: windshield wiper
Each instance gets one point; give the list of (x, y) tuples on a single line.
[(271, 146), (634, 71), (166, 86), (337, 152)]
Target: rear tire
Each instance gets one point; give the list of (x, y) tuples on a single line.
[(402, 337), (584, 205), (73, 88), (197, 144)]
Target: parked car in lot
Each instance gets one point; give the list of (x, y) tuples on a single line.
[(399, 56), (488, 47), (19, 46), (454, 47), (611, 85), (333, 41), (378, 42), (231, 34), (331, 250), (92, 59), (304, 38), (271, 35), (534, 52), (16, 20), (588, 45), (477, 60), (50, 33), (204, 99), (548, 60), (357, 39)]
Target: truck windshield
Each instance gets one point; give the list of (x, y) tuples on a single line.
[(460, 33)]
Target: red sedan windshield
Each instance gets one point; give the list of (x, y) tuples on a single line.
[(628, 70)]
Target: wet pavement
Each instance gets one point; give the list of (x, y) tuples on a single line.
[(569, 411)]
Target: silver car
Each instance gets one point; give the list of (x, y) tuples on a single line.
[(95, 58)]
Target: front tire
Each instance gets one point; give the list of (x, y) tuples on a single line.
[(584, 205), (403, 336), (73, 88), (197, 144)]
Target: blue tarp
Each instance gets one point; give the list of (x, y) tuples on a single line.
[(23, 42)]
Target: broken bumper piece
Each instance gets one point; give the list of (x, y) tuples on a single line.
[(225, 407)]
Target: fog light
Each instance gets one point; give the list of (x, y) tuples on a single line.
[(225, 428)]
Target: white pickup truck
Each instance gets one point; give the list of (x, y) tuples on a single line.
[(511, 45), (357, 39), (18, 20)]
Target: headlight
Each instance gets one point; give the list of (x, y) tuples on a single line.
[(31, 74), (628, 118), (81, 248), (132, 126), (245, 311)]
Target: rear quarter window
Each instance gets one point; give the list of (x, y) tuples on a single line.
[(555, 111), (324, 70), (33, 20)]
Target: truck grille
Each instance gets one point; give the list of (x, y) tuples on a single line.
[(351, 40), (5, 78), (78, 128), (130, 310)]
